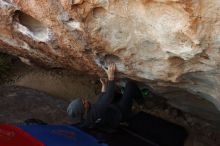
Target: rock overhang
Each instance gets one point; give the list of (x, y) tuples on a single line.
[(164, 43)]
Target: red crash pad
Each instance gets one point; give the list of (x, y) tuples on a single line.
[(13, 136)]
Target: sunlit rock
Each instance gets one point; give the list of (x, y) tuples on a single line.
[(171, 45)]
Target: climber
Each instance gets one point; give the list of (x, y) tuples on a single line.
[(105, 113)]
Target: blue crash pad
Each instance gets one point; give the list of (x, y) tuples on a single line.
[(60, 135)]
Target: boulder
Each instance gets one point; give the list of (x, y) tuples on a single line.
[(170, 45)]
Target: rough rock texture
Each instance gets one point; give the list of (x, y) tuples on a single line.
[(171, 45), (19, 104)]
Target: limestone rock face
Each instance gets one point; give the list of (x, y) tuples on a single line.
[(171, 45)]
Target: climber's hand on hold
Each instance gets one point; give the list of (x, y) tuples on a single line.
[(103, 81), (111, 71), (104, 84)]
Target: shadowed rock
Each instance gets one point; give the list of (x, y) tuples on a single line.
[(19, 104)]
